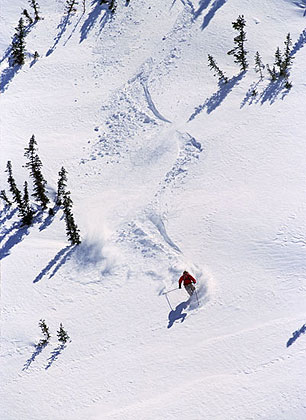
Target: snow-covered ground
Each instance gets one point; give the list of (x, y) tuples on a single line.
[(167, 171)]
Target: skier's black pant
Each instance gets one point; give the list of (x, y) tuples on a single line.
[(190, 289)]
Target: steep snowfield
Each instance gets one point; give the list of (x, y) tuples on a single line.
[(168, 171)]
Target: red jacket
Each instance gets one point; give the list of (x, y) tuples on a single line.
[(186, 279)]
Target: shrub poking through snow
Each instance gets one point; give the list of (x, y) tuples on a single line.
[(72, 230), (34, 5), (34, 164), (259, 66), (27, 16), (61, 186), (217, 72), (45, 330), (71, 6), (18, 44), (62, 335), (239, 51), (282, 62), (112, 5), (272, 72), (287, 57), (16, 193), (4, 197), (28, 212)]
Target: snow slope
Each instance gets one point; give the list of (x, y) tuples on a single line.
[(168, 171)]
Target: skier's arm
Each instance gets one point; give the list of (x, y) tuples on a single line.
[(192, 279), (180, 281)]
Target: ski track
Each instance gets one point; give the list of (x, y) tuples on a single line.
[(151, 104)]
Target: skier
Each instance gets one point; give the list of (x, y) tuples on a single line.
[(187, 280)]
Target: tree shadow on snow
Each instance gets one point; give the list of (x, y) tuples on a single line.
[(54, 355), (296, 335), (14, 239), (38, 349), (299, 43), (7, 76), (273, 91), (218, 97), (250, 97), (215, 6), (65, 21), (49, 219), (56, 262), (10, 72), (6, 215), (93, 17)]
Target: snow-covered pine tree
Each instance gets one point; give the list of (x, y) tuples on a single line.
[(272, 72), (278, 61), (259, 66), (62, 335), (45, 330), (18, 44), (71, 6), (4, 197), (72, 230), (28, 212), (27, 16), (34, 5), (287, 57), (239, 51), (217, 72), (16, 193), (61, 186), (112, 6), (34, 164)]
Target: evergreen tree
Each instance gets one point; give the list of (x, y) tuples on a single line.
[(18, 44), (34, 164), (71, 6), (112, 6), (287, 57), (72, 230), (278, 61), (45, 330), (217, 72), (239, 51), (62, 335), (259, 66), (61, 186), (34, 5), (272, 72), (3, 196), (28, 212), (27, 16), (16, 193)]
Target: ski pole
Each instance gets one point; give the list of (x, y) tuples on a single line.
[(164, 293), (197, 296), (169, 302)]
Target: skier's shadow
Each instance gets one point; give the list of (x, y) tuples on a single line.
[(176, 314)]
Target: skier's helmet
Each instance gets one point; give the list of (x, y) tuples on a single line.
[(185, 272)]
